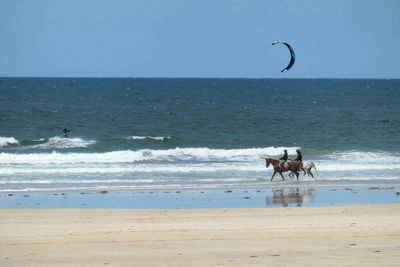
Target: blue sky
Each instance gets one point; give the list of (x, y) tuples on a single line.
[(199, 38)]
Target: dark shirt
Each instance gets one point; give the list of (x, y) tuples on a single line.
[(285, 157), (299, 158)]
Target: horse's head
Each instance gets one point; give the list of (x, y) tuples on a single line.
[(267, 162)]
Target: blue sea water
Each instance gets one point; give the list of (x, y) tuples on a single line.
[(194, 133)]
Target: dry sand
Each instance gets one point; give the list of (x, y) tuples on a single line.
[(317, 236)]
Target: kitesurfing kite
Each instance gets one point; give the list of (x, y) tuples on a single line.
[(292, 56)]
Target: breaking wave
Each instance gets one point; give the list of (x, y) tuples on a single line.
[(5, 141), (157, 138), (142, 155), (152, 168), (55, 142)]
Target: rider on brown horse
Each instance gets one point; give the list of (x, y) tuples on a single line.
[(292, 165), (284, 159)]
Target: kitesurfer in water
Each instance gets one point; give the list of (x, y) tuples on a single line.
[(66, 131)]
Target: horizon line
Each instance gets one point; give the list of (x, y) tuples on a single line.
[(154, 77)]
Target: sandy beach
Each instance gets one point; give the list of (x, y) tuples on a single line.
[(362, 235)]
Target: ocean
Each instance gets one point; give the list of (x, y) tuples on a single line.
[(137, 134)]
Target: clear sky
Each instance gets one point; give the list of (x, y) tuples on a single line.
[(199, 38)]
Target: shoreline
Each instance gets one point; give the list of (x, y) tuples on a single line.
[(280, 195), (363, 235)]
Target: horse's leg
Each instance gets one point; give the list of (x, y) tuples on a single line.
[(301, 168), (282, 176), (297, 175), (273, 175), (291, 175), (310, 173)]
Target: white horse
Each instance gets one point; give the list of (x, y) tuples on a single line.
[(307, 166)]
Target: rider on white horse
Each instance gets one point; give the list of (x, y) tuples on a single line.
[(299, 159)]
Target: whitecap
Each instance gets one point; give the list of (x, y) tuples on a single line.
[(50, 143), (157, 138), (62, 143), (141, 155), (5, 141)]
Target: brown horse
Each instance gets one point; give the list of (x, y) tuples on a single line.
[(292, 166)]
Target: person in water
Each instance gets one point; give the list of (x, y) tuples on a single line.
[(284, 158), (66, 131)]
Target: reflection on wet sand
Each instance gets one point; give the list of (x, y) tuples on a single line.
[(286, 196)]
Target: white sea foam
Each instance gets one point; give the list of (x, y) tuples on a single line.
[(121, 181), (360, 156), (202, 161), (181, 166), (5, 141), (121, 187), (57, 142), (157, 138), (158, 168), (167, 155), (212, 169)]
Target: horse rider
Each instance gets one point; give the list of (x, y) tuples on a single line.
[(283, 159), (299, 159)]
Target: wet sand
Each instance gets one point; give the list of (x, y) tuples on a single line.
[(363, 235), (183, 198)]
